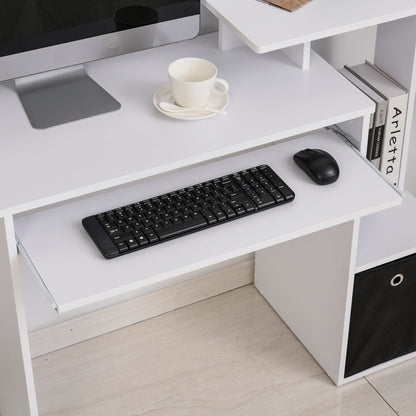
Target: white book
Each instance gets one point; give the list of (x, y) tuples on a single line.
[(377, 120), (397, 96)]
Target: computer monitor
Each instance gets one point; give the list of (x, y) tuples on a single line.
[(43, 44)]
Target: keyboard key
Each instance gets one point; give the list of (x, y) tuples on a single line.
[(140, 238), (249, 207), (286, 192), (132, 243), (187, 226), (120, 237), (150, 234), (122, 247), (209, 216), (219, 214), (278, 197), (240, 211), (264, 201), (229, 212)]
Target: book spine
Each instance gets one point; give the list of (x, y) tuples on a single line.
[(370, 141), (377, 142), (392, 146), (379, 125)]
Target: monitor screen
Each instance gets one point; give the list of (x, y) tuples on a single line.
[(43, 44), (32, 24)]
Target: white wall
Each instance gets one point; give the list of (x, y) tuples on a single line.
[(350, 48)]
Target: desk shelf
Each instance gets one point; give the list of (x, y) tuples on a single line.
[(266, 28), (270, 99), (76, 275)]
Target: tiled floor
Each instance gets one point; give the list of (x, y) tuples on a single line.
[(397, 386), (229, 355)]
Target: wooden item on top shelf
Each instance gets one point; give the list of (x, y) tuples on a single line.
[(290, 5)]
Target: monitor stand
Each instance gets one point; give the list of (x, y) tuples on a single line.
[(64, 95)]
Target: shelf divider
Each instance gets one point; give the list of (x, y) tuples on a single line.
[(299, 54), (227, 39)]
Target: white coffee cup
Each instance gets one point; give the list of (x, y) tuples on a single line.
[(193, 80)]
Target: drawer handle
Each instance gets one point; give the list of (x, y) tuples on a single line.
[(396, 280)]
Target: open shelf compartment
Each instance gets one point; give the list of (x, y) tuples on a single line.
[(387, 235), (270, 99), (76, 274)]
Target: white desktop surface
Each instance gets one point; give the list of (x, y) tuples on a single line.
[(41, 167), (265, 28)]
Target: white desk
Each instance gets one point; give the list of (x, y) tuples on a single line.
[(55, 177)]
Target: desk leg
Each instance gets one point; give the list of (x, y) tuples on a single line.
[(308, 281), (17, 389)]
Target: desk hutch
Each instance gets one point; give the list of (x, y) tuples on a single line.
[(282, 97)]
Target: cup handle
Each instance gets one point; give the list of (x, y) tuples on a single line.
[(220, 86)]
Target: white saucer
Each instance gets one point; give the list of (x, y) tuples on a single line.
[(218, 102)]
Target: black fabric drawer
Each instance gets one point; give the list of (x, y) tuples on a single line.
[(383, 315)]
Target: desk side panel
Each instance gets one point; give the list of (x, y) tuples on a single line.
[(396, 43), (17, 392), (308, 282)]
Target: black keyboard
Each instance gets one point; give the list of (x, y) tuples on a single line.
[(162, 218)]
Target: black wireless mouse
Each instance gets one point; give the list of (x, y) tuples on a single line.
[(319, 165)]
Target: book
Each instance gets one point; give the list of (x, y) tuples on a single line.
[(290, 5), (396, 96), (377, 120)]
